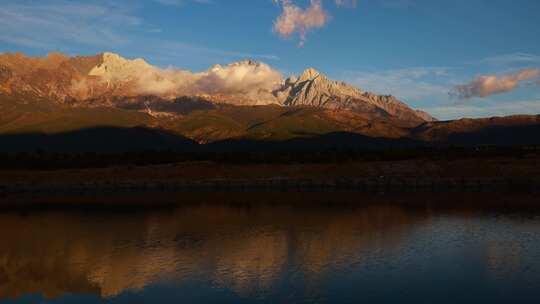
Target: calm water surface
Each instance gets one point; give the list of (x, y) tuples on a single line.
[(271, 253)]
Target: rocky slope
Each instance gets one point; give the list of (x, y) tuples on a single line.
[(53, 76), (315, 89)]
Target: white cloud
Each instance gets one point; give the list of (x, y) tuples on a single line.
[(487, 85), (514, 58), (245, 78), (169, 51), (486, 109), (409, 84), (294, 20), (56, 23)]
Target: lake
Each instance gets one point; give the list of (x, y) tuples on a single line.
[(270, 248)]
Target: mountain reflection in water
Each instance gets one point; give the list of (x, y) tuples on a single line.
[(256, 252)]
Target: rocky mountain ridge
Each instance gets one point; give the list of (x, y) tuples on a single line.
[(314, 89), (109, 79)]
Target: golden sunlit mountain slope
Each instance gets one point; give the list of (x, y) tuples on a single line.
[(245, 100), (106, 77)]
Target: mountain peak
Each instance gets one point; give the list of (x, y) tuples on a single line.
[(243, 63), (111, 56), (309, 74), (117, 68), (315, 89), (248, 62), (57, 55)]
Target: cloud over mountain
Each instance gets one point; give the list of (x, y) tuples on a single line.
[(246, 78), (487, 85), (241, 77)]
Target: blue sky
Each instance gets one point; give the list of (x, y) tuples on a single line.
[(418, 50)]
